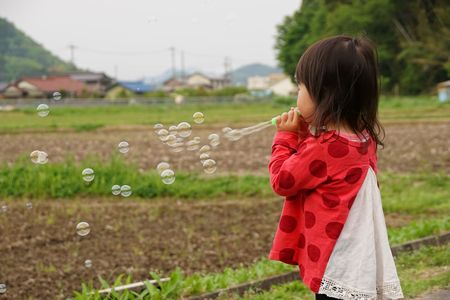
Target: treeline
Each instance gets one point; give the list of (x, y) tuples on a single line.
[(413, 37)]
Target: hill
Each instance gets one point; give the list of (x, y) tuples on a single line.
[(20, 55), (241, 74)]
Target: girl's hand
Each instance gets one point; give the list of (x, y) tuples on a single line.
[(288, 121)]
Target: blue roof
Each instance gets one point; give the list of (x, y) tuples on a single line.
[(136, 86)]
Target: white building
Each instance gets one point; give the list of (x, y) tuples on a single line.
[(276, 83)]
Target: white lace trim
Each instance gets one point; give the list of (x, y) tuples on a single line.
[(388, 290)]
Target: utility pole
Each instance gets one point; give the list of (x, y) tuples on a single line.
[(72, 53), (228, 68), (174, 71), (116, 71), (183, 74)]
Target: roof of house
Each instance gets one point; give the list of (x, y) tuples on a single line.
[(136, 86), (50, 84), (444, 84), (87, 76)]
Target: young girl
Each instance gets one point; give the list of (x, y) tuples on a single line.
[(324, 162)]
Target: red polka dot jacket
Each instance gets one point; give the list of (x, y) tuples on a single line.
[(320, 178)]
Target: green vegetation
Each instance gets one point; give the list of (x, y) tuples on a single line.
[(413, 56), (414, 269), (426, 193), (392, 109), (20, 55)]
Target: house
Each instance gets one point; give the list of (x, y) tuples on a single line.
[(196, 80), (44, 87), (97, 83), (276, 83), (443, 90), (125, 89)]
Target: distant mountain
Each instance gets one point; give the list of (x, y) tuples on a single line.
[(241, 74), (20, 55)]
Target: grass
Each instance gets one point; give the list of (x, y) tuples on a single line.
[(392, 109), (418, 271), (413, 194)]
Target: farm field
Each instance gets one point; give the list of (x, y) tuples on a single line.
[(202, 223)]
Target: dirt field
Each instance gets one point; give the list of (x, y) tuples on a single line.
[(43, 257), (408, 147)]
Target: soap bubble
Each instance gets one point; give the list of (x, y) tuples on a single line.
[(158, 126), (173, 130), (234, 135), (43, 110), (88, 174), (203, 157), (29, 205), (123, 147), (163, 133), (168, 176), (2, 288), (4, 208), (88, 263), (125, 191), (192, 145), (115, 190), (184, 129), (171, 140), (214, 139), (226, 130), (209, 166), (39, 157), (177, 147), (205, 149), (57, 96), (162, 166), (198, 117), (83, 229)]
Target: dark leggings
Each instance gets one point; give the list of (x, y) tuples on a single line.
[(324, 297)]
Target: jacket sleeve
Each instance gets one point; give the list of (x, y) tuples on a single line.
[(295, 166)]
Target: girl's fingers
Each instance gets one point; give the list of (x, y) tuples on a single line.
[(284, 117), (291, 115)]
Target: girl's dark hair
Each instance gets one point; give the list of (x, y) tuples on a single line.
[(341, 76)]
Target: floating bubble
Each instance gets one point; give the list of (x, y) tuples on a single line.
[(203, 157), (209, 166), (88, 263), (4, 208), (162, 132), (124, 147), (43, 110), (184, 129), (226, 129), (192, 145), (162, 166), (57, 96), (39, 157), (177, 147), (88, 174), (173, 130), (158, 126), (234, 135), (83, 229), (29, 205), (125, 191), (171, 140), (153, 19), (196, 138), (205, 149), (2, 288), (214, 140), (198, 117), (115, 190), (168, 176)]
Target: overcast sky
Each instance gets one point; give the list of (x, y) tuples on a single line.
[(133, 37)]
